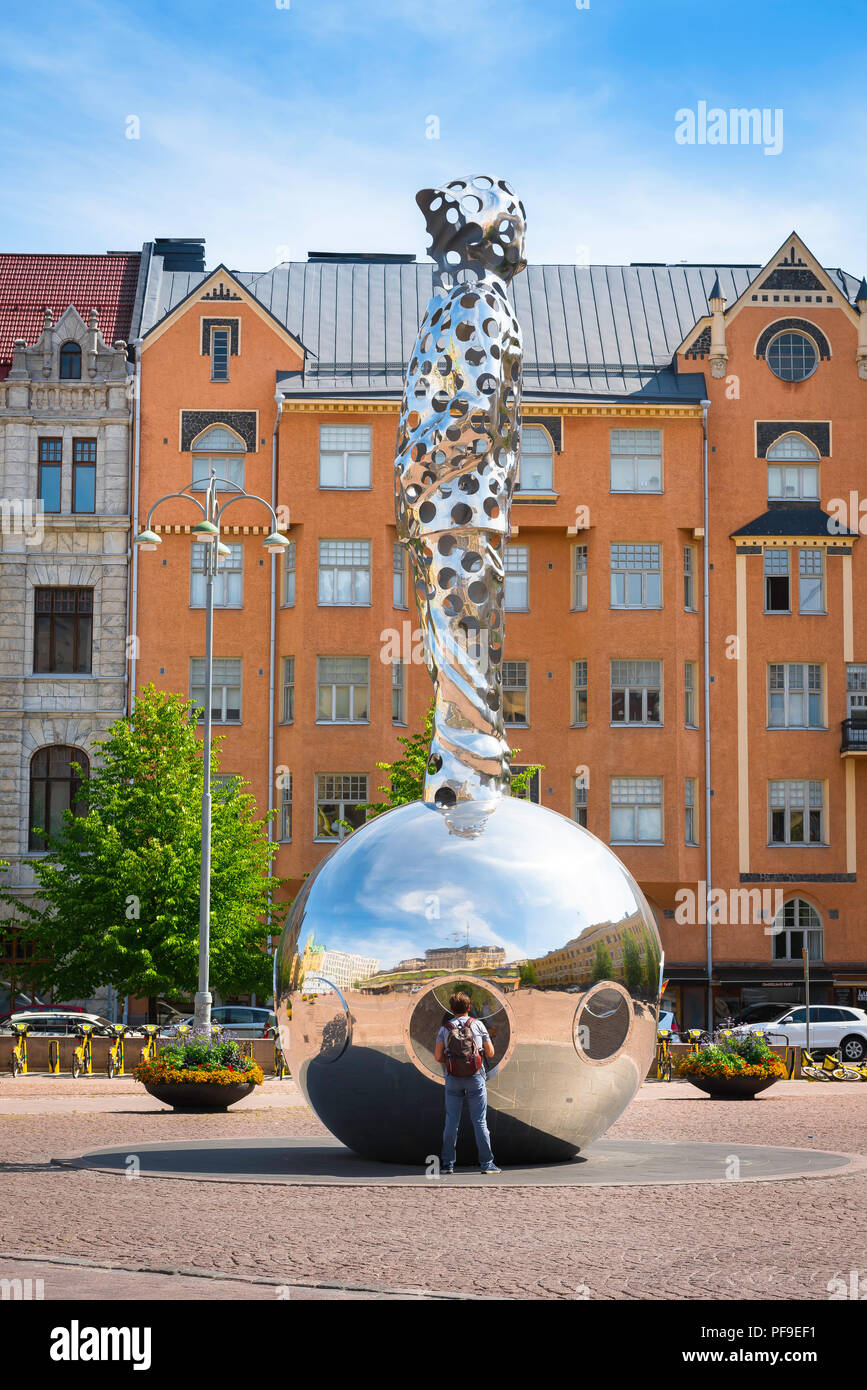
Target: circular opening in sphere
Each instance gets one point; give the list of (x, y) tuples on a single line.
[(432, 1012), (602, 1022)]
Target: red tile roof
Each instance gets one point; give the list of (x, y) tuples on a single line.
[(30, 284)]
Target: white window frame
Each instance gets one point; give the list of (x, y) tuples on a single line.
[(580, 684), (797, 917), (355, 562), (224, 680), (637, 794), (398, 692), (222, 331), (627, 559), (228, 459), (336, 436), (579, 800), (516, 677), (776, 564), (793, 796), (856, 690), (536, 433), (689, 579), (286, 808), (516, 563), (288, 704), (787, 682), (533, 790), (228, 581), (642, 449), (636, 682), (690, 717), (330, 685), (288, 577), (690, 809), (579, 578), (811, 567), (399, 576), (342, 790)]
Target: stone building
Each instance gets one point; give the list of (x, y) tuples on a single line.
[(66, 399)]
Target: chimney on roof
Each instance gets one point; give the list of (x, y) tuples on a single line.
[(181, 253), (861, 350), (718, 351)]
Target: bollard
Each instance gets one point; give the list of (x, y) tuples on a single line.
[(54, 1057)]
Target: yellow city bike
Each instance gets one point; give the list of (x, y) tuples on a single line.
[(18, 1059), (698, 1039), (281, 1070), (115, 1060), (82, 1057), (663, 1054), (831, 1068), (149, 1051)]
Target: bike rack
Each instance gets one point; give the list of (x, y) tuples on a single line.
[(18, 1060)]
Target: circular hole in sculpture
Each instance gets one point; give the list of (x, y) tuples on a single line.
[(432, 1012), (602, 1022)]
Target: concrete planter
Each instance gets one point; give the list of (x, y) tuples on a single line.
[(199, 1095), (731, 1087)]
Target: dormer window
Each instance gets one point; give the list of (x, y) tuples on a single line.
[(70, 362), (792, 356), (793, 469)]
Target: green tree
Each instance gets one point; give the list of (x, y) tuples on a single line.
[(527, 973), (118, 891), (406, 774), (633, 964), (603, 965)]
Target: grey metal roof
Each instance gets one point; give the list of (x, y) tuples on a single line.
[(589, 331)]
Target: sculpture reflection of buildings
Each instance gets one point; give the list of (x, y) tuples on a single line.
[(317, 967), (573, 964)]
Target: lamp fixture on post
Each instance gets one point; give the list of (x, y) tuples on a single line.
[(207, 533)]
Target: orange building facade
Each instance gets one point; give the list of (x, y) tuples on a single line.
[(680, 423)]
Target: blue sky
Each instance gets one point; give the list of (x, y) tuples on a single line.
[(272, 131)]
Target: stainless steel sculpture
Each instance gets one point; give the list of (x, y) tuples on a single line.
[(539, 919)]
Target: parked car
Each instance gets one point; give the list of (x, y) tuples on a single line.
[(831, 1027), (668, 1021), (238, 1020), (764, 1012), (61, 1023)]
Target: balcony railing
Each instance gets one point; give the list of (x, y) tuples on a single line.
[(854, 735)]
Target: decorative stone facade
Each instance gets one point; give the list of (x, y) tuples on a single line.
[(60, 549)]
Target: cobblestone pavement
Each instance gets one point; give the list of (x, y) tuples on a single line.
[(764, 1241)]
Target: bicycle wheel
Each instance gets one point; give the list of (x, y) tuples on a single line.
[(76, 1067), (111, 1068), (14, 1065), (846, 1074)]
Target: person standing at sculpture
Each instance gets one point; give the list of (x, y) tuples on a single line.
[(456, 467), (461, 1045)]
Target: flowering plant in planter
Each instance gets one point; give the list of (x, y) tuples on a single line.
[(746, 1056), (200, 1059)]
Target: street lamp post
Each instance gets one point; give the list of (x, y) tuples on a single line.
[(207, 532)]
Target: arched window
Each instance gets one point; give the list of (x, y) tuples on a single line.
[(70, 362), (798, 925), (793, 469), (220, 449), (55, 787), (537, 460)]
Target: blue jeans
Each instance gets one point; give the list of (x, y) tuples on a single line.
[(476, 1092)]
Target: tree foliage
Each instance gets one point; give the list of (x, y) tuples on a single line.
[(117, 894)]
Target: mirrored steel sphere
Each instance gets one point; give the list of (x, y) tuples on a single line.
[(536, 919)]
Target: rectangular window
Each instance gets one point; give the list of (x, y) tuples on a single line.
[(579, 578), (84, 475), (228, 466), (689, 578), (220, 344), (795, 695), (399, 582), (63, 636), (636, 576), (798, 482), (225, 689), (516, 692), (340, 800), (289, 575), (517, 578), (636, 810), (288, 690), (398, 693), (579, 692), (344, 572), (286, 806), (636, 692), (344, 456), (689, 811), (636, 460), (689, 718), (777, 581), (856, 691), (797, 812), (228, 581), (579, 800), (532, 790), (342, 689), (811, 581), (50, 462)]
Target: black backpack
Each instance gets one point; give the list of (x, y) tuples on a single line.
[(463, 1054)]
